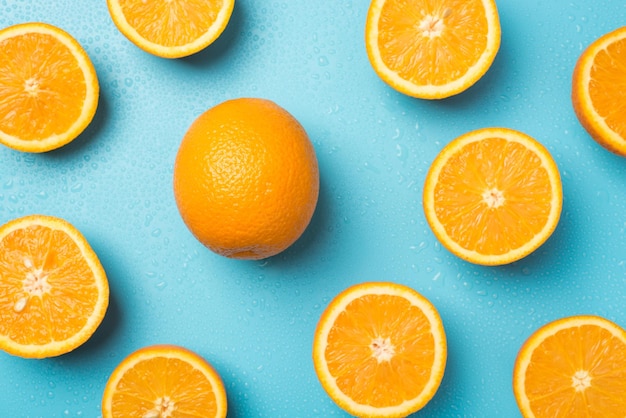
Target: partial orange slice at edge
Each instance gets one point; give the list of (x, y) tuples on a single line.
[(48, 87), (573, 367), (493, 196), (53, 290), (171, 29), (598, 86), (164, 381), (380, 350), (432, 49)]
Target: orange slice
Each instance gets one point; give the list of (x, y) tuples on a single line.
[(53, 290), (48, 87), (493, 196), (598, 86), (171, 29), (574, 367), (432, 49), (164, 381), (380, 350)]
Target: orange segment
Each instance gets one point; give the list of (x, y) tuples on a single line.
[(492, 196), (574, 367), (380, 350), (598, 83), (53, 290), (164, 381), (432, 49), (48, 87), (171, 29)]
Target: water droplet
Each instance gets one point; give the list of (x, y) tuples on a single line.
[(401, 153), (322, 61), (419, 247)]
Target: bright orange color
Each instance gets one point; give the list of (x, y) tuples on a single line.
[(598, 86), (432, 49), (492, 196), (171, 29), (48, 87), (380, 350), (246, 179), (573, 367), (164, 381), (53, 290)]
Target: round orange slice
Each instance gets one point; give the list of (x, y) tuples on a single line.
[(493, 196), (48, 87), (53, 290), (380, 350), (171, 29), (573, 367), (598, 86), (432, 49), (164, 381)]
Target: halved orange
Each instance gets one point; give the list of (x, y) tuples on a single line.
[(171, 29), (573, 367), (53, 290), (164, 381), (48, 87), (380, 350), (598, 86), (493, 196), (432, 49)]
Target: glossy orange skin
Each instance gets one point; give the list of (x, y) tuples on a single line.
[(246, 179)]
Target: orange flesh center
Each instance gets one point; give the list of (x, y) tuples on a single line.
[(44, 281), (171, 22), (163, 387), (435, 42), (493, 196), (607, 87), (578, 372), (381, 350), (42, 89)]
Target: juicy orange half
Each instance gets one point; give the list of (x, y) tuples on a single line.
[(598, 86), (53, 290), (171, 29), (493, 196), (164, 381), (432, 49), (48, 87), (574, 367), (380, 350)]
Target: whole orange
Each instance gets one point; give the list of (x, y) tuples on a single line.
[(246, 179)]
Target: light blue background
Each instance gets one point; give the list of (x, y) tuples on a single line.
[(254, 321)]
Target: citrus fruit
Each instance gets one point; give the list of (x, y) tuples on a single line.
[(48, 87), (380, 350), (493, 196), (432, 49), (164, 381), (246, 179), (598, 86), (53, 290), (573, 367), (171, 29)]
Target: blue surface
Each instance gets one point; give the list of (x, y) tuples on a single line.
[(254, 321)]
